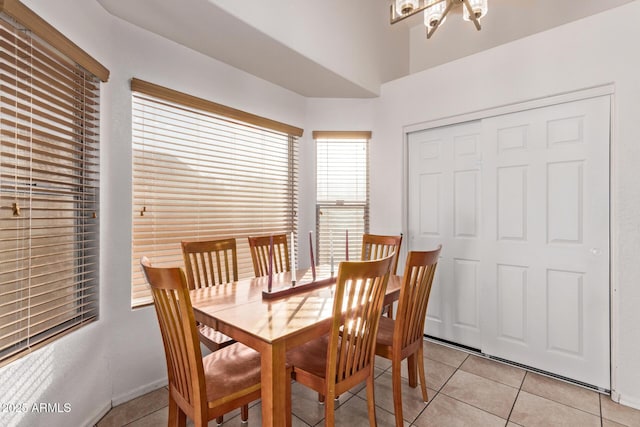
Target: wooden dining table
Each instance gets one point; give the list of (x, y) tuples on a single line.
[(272, 326)]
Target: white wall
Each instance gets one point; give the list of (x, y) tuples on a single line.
[(121, 355), (568, 58), (332, 33), (76, 368), (324, 114)]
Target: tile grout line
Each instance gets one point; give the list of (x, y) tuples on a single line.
[(145, 416), (563, 404), (516, 399), (527, 372), (600, 407), (301, 420), (566, 404), (130, 421), (473, 406), (411, 423)]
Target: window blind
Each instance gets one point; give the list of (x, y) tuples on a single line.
[(342, 193), (199, 174), (49, 183)]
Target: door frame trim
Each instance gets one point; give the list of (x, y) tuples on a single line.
[(530, 104), (607, 89)]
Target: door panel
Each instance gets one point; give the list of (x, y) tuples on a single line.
[(445, 208), (545, 271), (520, 203)]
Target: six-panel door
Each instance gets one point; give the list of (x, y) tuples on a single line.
[(520, 203)]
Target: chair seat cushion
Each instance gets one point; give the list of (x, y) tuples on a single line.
[(385, 331), (231, 369), (310, 357)]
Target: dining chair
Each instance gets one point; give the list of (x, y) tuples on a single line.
[(402, 338), (199, 388), (375, 247), (209, 263), (259, 247), (336, 362)]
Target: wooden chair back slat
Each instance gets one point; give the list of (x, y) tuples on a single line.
[(403, 337), (200, 391), (377, 247), (179, 335), (210, 263), (414, 297), (259, 247), (359, 293)]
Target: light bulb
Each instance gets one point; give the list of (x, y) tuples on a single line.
[(405, 7), (433, 14), (479, 7)]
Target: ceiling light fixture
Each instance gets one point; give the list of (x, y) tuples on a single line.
[(435, 11)]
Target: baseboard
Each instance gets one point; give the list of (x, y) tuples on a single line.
[(626, 401), (97, 416), (615, 396), (125, 397)]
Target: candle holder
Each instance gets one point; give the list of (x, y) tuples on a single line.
[(285, 288), (292, 289)]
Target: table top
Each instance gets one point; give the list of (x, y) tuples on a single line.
[(240, 305)]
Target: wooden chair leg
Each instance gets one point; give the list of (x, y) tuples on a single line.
[(321, 398), (177, 418), (411, 370), (329, 412), (371, 402), (244, 413), (288, 397), (423, 381), (200, 420), (396, 383), (220, 419)]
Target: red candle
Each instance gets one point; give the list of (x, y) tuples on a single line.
[(313, 260), (346, 247), (270, 262)]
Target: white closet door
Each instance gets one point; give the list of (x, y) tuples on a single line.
[(444, 208), (545, 269)]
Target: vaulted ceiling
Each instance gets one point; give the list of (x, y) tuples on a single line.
[(338, 48)]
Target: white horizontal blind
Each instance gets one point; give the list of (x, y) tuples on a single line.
[(199, 176), (49, 191), (342, 193)]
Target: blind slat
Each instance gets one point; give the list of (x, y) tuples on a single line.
[(342, 193), (49, 164), (198, 175), (60, 44)]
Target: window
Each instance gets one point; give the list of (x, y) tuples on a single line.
[(342, 193), (49, 183), (205, 171)]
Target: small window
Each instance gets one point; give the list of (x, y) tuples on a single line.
[(342, 193)]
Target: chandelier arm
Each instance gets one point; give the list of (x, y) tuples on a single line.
[(393, 19), (472, 14), (446, 10)]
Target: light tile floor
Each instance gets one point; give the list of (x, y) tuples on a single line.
[(464, 390)]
